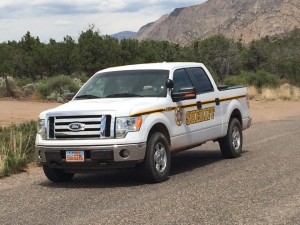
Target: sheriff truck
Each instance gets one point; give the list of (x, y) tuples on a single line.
[(138, 116)]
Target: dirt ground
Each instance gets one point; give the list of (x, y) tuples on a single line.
[(16, 112), (13, 111)]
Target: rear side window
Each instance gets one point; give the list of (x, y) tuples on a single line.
[(201, 80), (181, 80)]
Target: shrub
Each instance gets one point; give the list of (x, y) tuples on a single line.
[(29, 89), (17, 147), (14, 89), (58, 87), (259, 79), (252, 91), (235, 81), (23, 81), (82, 77)]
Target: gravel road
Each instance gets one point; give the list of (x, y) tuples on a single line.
[(260, 187)]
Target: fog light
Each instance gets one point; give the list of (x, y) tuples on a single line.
[(124, 153)]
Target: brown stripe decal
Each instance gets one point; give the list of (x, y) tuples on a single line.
[(236, 97), (168, 109)]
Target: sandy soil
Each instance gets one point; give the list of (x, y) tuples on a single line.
[(22, 111), (263, 111)]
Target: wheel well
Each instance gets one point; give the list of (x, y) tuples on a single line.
[(237, 114), (160, 127)]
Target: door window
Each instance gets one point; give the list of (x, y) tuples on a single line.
[(181, 80), (201, 80)]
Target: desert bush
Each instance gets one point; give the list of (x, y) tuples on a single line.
[(259, 79), (17, 147), (23, 81), (295, 93), (269, 93), (56, 88), (29, 89), (285, 92), (2, 87), (13, 87), (235, 81), (81, 76), (252, 91)]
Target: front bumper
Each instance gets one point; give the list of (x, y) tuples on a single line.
[(96, 157), (247, 122)]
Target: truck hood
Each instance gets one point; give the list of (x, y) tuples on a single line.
[(121, 106)]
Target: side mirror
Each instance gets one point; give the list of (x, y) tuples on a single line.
[(169, 84), (70, 96), (184, 94)]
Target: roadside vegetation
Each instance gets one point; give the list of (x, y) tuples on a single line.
[(49, 70), (17, 147)]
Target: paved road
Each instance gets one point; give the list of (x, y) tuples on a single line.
[(260, 187)]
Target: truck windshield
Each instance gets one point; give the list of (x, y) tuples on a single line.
[(125, 84)]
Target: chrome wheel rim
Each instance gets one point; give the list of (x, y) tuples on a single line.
[(236, 138), (160, 157)]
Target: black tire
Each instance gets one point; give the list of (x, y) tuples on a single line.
[(57, 175), (231, 145), (157, 162)]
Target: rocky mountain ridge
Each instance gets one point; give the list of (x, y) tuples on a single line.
[(243, 20)]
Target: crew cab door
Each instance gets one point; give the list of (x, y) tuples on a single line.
[(205, 119)]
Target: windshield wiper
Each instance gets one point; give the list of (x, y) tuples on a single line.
[(122, 95), (86, 97)]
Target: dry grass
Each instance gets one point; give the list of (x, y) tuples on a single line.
[(17, 146), (284, 92), (2, 164), (252, 91), (295, 93)]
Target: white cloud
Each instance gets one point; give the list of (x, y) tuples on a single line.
[(58, 18), (63, 22)]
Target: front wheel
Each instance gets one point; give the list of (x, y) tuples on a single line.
[(57, 175), (231, 144), (156, 165)]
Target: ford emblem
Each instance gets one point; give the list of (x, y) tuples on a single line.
[(76, 126)]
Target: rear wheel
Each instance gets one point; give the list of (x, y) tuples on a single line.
[(231, 145), (57, 175), (156, 165)]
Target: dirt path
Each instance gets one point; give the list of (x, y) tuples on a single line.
[(263, 111), (22, 111)]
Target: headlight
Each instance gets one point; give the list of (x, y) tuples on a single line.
[(127, 124), (41, 129)]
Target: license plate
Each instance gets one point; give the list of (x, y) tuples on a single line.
[(74, 156)]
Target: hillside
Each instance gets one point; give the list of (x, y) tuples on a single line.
[(124, 35), (243, 20)]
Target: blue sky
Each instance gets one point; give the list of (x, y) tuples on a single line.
[(58, 18)]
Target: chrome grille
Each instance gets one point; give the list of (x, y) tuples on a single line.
[(80, 127)]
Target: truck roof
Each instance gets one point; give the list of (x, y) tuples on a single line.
[(154, 66)]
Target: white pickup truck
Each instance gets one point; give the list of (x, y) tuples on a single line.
[(137, 116)]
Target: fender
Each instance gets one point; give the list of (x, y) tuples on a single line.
[(231, 106), (150, 120)]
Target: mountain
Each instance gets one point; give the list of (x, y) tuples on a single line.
[(243, 20), (124, 35)]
